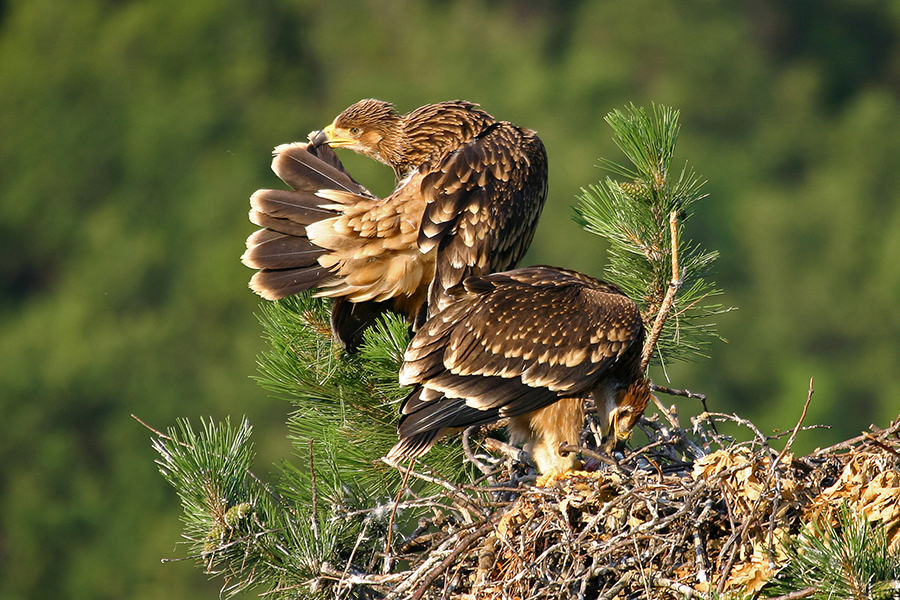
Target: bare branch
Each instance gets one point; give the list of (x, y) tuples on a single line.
[(668, 300)]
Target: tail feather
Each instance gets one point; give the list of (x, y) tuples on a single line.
[(277, 284), (350, 320), (416, 445), (285, 226), (267, 249), (426, 419), (301, 207)]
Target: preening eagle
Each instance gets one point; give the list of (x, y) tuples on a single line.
[(529, 344), (469, 193)]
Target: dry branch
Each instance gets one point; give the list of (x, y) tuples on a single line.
[(672, 519)]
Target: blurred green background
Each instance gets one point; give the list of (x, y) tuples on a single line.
[(132, 133)]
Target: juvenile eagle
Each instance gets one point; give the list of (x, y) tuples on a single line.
[(469, 193), (529, 344)]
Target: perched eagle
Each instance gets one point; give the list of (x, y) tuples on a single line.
[(529, 345), (469, 193)]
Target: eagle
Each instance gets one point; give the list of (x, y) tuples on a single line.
[(529, 345), (469, 192)]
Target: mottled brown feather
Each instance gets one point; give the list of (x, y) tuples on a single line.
[(470, 191), (514, 343)]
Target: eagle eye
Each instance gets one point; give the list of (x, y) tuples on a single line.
[(354, 131)]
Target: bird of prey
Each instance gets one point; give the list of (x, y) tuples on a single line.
[(469, 193), (530, 345)]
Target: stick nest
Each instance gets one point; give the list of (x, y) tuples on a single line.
[(688, 513)]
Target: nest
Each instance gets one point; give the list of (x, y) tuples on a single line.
[(688, 513)]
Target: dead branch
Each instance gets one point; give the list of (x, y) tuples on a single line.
[(668, 299)]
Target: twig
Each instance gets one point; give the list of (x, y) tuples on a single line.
[(674, 392), (460, 548), (846, 444), (315, 505), (686, 394), (487, 558), (760, 437), (159, 433), (595, 455), (457, 492), (700, 543), (671, 417), (669, 298), (685, 590), (620, 585), (470, 456), (343, 578), (390, 532), (327, 570), (507, 450), (796, 595), (791, 439), (880, 444), (745, 525)]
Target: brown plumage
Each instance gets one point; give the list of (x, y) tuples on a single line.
[(469, 193), (529, 344)]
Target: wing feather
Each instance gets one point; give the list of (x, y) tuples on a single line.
[(308, 168), (483, 203), (514, 342)]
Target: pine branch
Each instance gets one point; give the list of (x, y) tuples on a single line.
[(348, 404), (643, 220), (666, 305), (850, 560), (251, 536), (225, 509)]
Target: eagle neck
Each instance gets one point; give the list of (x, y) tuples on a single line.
[(433, 132)]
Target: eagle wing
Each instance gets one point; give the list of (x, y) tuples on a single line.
[(482, 205), (511, 343)]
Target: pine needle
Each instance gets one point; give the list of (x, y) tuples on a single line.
[(636, 216)]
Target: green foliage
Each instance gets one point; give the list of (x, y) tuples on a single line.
[(634, 216), (210, 469), (225, 511), (237, 526), (850, 560), (346, 405), (330, 505), (132, 133)]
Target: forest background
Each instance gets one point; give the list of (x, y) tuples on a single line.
[(133, 132)]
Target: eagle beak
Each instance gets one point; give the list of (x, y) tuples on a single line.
[(318, 138), (330, 136), (621, 438)]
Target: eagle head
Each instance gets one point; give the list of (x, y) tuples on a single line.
[(370, 127)]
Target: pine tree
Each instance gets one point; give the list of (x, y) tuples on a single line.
[(643, 221), (332, 512)]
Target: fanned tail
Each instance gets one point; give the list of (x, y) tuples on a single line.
[(287, 260), (286, 257)]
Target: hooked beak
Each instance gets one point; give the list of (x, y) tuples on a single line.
[(614, 441), (318, 138), (621, 438), (333, 137)]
